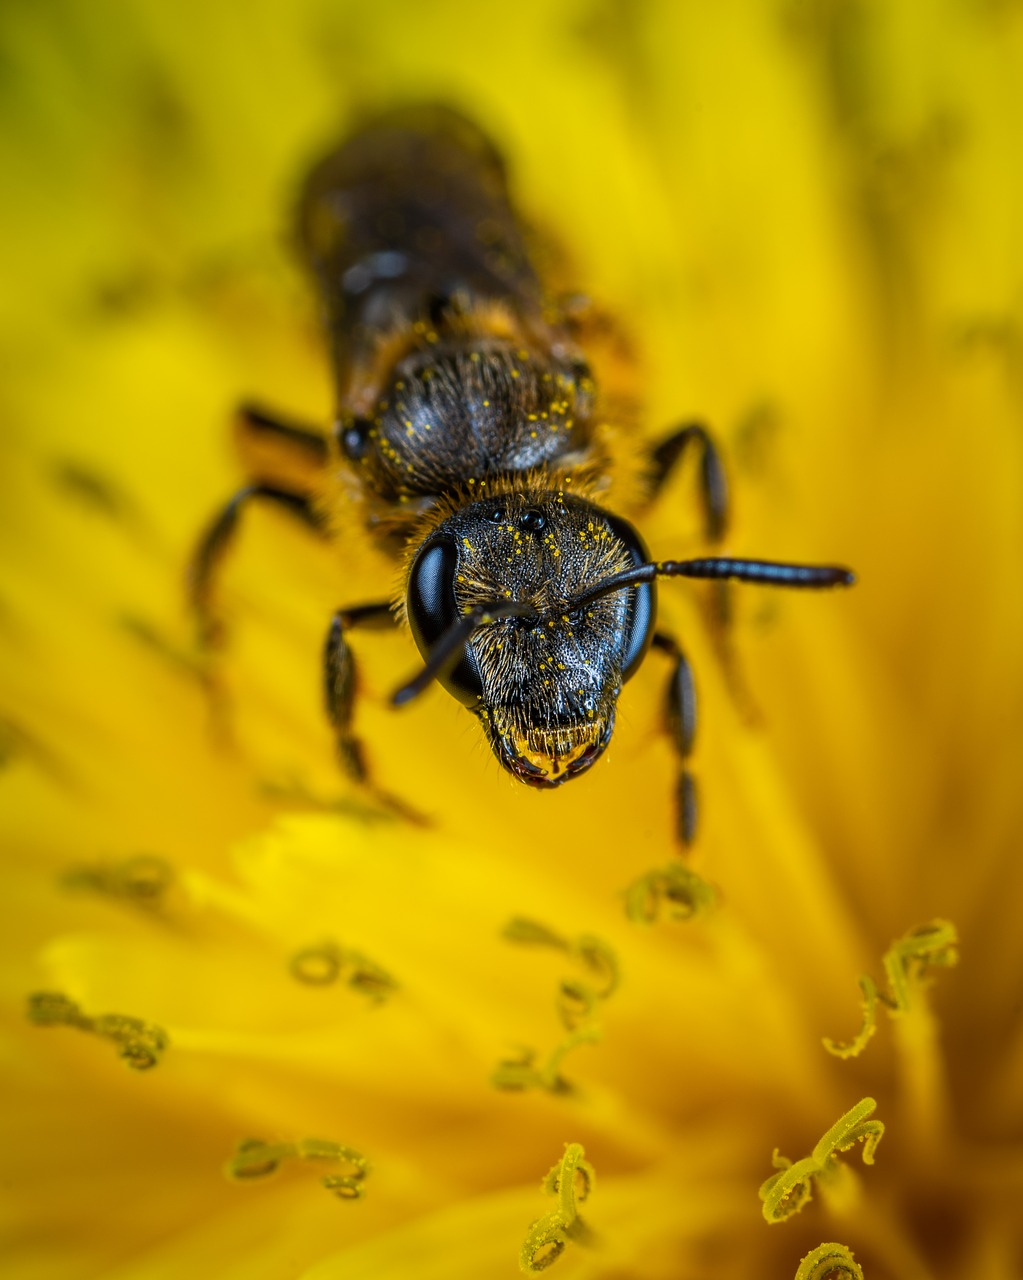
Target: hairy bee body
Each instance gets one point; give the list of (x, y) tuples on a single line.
[(467, 408), (470, 435)]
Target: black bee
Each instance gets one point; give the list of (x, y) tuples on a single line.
[(470, 430)]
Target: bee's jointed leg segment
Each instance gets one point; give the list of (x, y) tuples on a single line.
[(255, 424), (680, 723), (217, 539), (667, 455)]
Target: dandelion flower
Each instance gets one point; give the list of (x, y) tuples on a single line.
[(274, 1032)]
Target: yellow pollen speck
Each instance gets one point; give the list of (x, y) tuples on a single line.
[(532, 435), (515, 373), (467, 544), (486, 404)]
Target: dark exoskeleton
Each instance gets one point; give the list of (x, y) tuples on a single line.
[(470, 429)]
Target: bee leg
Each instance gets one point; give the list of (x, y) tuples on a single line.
[(279, 451), (340, 680), (663, 459), (217, 539), (680, 724), (666, 456)]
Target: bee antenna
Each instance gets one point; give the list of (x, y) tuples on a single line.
[(770, 573), (445, 651)]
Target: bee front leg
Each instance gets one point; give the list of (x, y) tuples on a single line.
[(680, 724), (340, 682), (666, 456)]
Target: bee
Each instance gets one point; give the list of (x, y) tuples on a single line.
[(470, 434)]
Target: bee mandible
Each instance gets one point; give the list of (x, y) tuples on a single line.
[(470, 432)]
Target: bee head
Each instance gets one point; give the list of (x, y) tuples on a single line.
[(542, 676)]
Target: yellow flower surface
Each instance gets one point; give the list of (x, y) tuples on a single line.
[(806, 215)]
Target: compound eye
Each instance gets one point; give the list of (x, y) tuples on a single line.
[(432, 609), (639, 621)]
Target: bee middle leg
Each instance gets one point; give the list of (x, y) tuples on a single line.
[(279, 451), (680, 725), (340, 683), (217, 539), (663, 459)]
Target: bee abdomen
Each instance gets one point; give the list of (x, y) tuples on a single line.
[(408, 213)]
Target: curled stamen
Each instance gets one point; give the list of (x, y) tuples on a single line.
[(905, 962), (674, 893), (141, 1044), (829, 1262), (592, 952), (254, 1159), (142, 880), (323, 963), (571, 1180), (787, 1191), (576, 1003), (523, 1073)]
